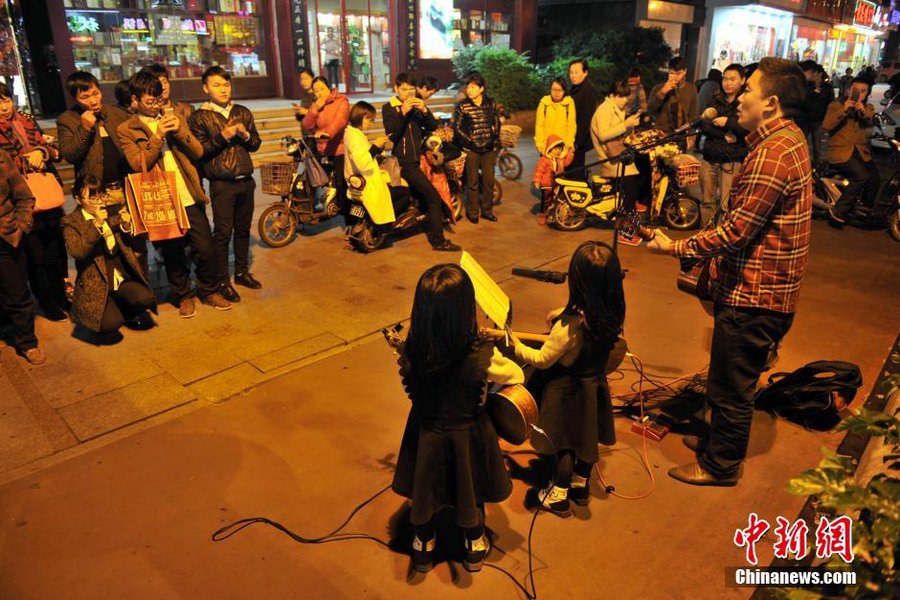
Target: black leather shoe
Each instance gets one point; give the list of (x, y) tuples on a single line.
[(247, 280), (229, 293), (446, 246), (142, 322), (473, 220), (693, 474), (489, 217)]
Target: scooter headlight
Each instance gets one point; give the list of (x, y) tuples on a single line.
[(356, 182)]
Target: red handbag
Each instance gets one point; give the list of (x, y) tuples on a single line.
[(48, 194)]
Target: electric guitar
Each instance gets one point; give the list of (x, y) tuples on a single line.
[(694, 273)]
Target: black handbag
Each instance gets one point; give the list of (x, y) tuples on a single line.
[(813, 395)]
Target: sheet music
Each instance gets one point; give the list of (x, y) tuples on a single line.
[(492, 300)]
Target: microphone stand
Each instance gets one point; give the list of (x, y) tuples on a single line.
[(626, 158)]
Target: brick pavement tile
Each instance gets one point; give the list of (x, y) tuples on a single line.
[(222, 386), (22, 439), (296, 352), (105, 412)]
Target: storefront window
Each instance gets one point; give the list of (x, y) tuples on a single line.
[(808, 43), (113, 39), (747, 34), (479, 27), (353, 46)]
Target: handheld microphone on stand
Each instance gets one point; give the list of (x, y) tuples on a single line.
[(545, 276), (708, 115)]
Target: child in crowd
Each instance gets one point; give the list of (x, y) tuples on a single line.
[(450, 453), (228, 135), (552, 163), (576, 408)]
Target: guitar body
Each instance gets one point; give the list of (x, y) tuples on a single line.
[(694, 278), (513, 412)]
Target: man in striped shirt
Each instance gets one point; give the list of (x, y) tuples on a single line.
[(759, 253)]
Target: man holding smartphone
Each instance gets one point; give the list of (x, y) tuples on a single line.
[(228, 135), (675, 102), (164, 139), (848, 122)]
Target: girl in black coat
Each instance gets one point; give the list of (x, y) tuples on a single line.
[(450, 454), (576, 408)]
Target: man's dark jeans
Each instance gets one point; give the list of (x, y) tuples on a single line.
[(742, 341), (423, 190), (232, 207), (863, 177), (15, 297)]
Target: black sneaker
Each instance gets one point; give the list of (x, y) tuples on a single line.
[(555, 500), (446, 246), (580, 494), (423, 554), (476, 552)]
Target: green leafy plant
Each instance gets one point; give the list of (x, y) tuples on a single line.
[(511, 78), (875, 506), (643, 47), (601, 73)]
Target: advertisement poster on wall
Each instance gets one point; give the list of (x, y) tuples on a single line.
[(435, 29)]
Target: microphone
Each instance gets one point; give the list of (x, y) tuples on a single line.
[(545, 276), (708, 115)]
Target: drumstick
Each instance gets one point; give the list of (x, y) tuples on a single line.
[(525, 337)]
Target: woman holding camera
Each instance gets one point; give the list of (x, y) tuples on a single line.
[(111, 288)]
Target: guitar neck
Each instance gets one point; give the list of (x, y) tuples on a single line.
[(499, 334)]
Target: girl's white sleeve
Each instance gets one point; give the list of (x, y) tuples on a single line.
[(503, 370), (560, 342)]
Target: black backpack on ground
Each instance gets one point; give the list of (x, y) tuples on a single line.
[(813, 395)]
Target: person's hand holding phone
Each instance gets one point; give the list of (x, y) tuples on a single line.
[(633, 121), (88, 119), (169, 122)]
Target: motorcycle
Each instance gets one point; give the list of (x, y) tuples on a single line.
[(304, 201), (575, 203), (375, 221)]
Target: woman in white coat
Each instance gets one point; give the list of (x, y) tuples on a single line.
[(609, 126), (381, 201)]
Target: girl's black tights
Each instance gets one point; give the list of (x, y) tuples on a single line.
[(426, 532), (568, 464)]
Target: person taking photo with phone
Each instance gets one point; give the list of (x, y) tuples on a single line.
[(228, 135)]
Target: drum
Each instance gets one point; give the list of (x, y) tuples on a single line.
[(513, 411)]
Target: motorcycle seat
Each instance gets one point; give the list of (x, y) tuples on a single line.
[(571, 182)]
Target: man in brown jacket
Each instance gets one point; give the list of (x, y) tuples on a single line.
[(151, 137), (89, 139), (847, 122), (16, 220), (182, 109)]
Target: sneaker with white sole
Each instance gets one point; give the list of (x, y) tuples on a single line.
[(476, 553), (423, 554), (579, 490), (555, 499)]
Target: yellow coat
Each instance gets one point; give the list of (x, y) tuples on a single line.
[(555, 118)]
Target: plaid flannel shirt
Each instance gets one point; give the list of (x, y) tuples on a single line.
[(761, 247)]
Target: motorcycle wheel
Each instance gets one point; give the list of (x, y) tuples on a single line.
[(681, 212), (566, 218), (498, 192), (457, 201), (368, 240), (510, 166), (277, 226), (895, 225)]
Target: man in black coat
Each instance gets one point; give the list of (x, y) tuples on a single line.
[(586, 101), (819, 95)]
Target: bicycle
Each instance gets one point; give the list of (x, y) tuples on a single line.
[(508, 163)]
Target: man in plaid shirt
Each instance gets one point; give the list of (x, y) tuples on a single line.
[(759, 254)]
